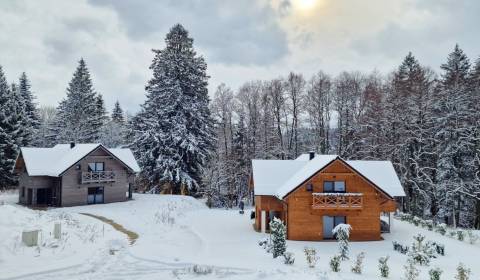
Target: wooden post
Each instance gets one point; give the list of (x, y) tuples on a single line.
[(263, 221)]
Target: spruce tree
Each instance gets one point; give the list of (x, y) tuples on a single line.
[(8, 132), (173, 133), (117, 113), (279, 234), (454, 132), (78, 115), (30, 111)]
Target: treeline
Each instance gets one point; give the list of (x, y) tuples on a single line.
[(80, 117), (426, 123)]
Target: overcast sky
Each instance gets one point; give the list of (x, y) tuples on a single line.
[(240, 39)]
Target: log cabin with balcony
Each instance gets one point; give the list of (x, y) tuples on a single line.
[(314, 193), (75, 174)]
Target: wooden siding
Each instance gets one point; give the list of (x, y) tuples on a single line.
[(75, 193), (305, 222)]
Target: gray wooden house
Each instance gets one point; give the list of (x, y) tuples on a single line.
[(75, 174)]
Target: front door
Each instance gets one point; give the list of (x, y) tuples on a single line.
[(329, 223), (95, 195)]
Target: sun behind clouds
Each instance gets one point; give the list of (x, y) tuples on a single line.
[(305, 4)]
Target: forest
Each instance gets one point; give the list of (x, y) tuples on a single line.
[(187, 140)]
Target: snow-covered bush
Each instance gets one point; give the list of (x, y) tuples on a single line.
[(428, 224), (460, 235), (436, 248), (435, 273), (266, 244), (411, 271), (288, 258), (279, 233), (420, 252), (452, 233), (416, 221), (311, 255), (201, 269), (463, 273), (472, 237), (342, 233), (335, 263), (358, 265), (441, 228), (397, 246), (405, 217), (383, 266)]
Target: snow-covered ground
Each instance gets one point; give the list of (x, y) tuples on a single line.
[(179, 238)]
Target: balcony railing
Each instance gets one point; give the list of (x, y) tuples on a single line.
[(341, 201), (98, 177)]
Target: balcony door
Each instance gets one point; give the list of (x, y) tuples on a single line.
[(329, 223), (95, 195)]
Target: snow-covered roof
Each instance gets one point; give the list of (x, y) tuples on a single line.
[(280, 177), (381, 173), (54, 161), (269, 175)]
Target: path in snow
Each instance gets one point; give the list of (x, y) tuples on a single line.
[(132, 236)]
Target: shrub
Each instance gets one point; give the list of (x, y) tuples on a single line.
[(472, 237), (411, 271), (441, 228), (428, 224), (463, 273), (383, 266), (435, 273), (311, 255), (452, 234), (421, 252), (202, 270), (460, 235), (335, 263), (416, 221), (399, 247), (289, 258), (342, 233), (279, 232), (358, 265)]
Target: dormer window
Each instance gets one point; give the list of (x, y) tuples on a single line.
[(334, 186)]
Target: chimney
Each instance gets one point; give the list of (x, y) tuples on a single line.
[(72, 145), (311, 155)]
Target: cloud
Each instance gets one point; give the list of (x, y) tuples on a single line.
[(243, 32)]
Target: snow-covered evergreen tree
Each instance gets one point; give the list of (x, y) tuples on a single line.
[(117, 113), (9, 131), (342, 233), (279, 236), (30, 111), (455, 143), (78, 117), (173, 133)]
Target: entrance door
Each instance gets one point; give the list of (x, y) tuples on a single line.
[(44, 196), (329, 223), (95, 195), (29, 197)]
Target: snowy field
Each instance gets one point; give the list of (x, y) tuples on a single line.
[(179, 238)]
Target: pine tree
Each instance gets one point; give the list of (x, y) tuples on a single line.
[(342, 233), (454, 134), (173, 133), (117, 113), (30, 110), (9, 129), (78, 114), (279, 234)]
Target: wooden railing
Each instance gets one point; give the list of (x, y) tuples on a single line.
[(344, 201), (98, 177)]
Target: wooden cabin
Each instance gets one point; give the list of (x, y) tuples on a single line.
[(314, 193), (75, 174)]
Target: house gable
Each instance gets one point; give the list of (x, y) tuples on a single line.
[(98, 151)]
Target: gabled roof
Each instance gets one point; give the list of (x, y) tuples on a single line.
[(280, 177), (56, 160)]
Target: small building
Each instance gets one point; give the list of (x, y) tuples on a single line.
[(314, 193), (75, 174)]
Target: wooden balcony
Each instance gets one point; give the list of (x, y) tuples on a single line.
[(98, 177), (337, 201)]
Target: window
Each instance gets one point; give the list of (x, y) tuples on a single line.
[(96, 167), (334, 186)]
